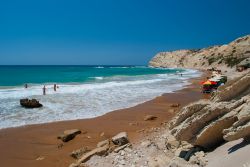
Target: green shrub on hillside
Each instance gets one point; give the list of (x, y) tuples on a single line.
[(232, 61), (211, 60)]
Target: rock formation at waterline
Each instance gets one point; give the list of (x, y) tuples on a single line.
[(225, 56), (33, 103)]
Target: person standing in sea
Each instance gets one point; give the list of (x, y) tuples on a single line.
[(44, 90), (55, 87)]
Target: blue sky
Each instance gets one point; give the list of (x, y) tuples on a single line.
[(47, 32)]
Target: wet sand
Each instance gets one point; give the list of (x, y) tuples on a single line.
[(38, 146)]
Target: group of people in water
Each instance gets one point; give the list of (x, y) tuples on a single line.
[(56, 87), (44, 88)]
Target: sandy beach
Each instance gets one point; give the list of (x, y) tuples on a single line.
[(37, 145)]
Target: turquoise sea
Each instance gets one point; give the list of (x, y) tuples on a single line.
[(19, 75), (84, 91)]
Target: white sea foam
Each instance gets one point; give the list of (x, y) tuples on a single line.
[(87, 100), (120, 67), (98, 78)]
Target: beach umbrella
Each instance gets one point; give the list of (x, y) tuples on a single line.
[(209, 83)]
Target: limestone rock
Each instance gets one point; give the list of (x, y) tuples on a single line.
[(199, 159), (171, 143), (133, 123), (102, 134), (121, 147), (241, 128), (33, 103), (179, 162), (188, 111), (78, 153), (120, 139), (97, 151), (40, 158), (234, 89), (211, 135), (149, 117), (159, 161), (207, 124), (146, 143), (69, 135), (186, 145), (199, 127), (103, 143), (175, 105)]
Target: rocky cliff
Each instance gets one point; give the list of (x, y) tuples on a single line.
[(225, 117), (226, 56)]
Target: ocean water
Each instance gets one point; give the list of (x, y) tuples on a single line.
[(84, 91)]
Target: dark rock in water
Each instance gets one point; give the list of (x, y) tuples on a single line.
[(69, 135), (33, 103)]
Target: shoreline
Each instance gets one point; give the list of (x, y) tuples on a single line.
[(24, 121), (30, 142)]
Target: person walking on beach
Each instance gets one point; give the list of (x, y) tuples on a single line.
[(55, 87), (26, 86), (44, 90)]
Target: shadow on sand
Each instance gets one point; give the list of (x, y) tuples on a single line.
[(238, 146)]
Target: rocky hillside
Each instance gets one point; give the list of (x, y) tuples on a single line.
[(226, 56)]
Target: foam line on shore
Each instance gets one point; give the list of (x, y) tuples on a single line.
[(87, 100)]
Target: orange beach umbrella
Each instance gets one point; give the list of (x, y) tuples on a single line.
[(208, 83)]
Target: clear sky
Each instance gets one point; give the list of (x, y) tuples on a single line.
[(80, 32)]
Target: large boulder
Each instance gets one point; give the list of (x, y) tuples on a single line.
[(100, 151), (120, 139), (188, 111), (33, 103), (199, 159), (149, 117), (79, 152), (241, 128), (234, 89), (103, 143), (202, 123), (211, 135), (69, 135), (158, 160), (190, 127)]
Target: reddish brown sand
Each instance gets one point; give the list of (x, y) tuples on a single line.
[(37, 145)]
